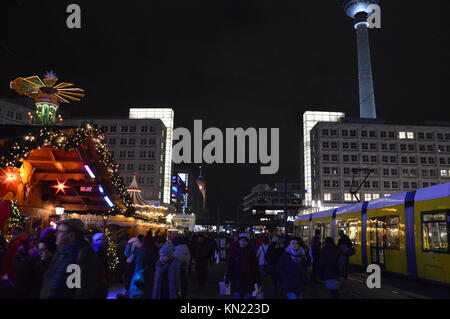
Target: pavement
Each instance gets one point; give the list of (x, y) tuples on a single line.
[(355, 287)]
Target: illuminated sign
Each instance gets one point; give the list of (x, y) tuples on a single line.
[(85, 189)]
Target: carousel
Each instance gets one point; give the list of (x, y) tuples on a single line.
[(48, 173)]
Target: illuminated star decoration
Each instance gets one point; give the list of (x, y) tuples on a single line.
[(9, 175), (61, 186)]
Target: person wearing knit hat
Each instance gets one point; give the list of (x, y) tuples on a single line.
[(167, 251), (245, 236), (167, 282)]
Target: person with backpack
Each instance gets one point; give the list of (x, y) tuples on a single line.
[(145, 260), (133, 244), (345, 249), (291, 270), (262, 256)]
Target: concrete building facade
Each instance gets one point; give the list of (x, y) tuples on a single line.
[(138, 146), (401, 157), (15, 111)]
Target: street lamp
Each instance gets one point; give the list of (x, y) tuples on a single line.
[(59, 210)]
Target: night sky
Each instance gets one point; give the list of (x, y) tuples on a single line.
[(232, 63)]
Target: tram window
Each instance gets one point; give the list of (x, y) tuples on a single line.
[(304, 233), (353, 231), (392, 236), (435, 232), (325, 230)]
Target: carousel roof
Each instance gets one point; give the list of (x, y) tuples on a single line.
[(135, 193)]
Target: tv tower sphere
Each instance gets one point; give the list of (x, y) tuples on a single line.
[(353, 7)]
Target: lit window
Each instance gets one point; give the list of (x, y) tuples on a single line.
[(386, 195), (392, 232), (348, 197), (444, 172), (435, 232), (375, 196), (367, 197), (327, 196), (410, 135), (402, 135)]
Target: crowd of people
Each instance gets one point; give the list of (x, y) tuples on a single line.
[(157, 266), (286, 261)]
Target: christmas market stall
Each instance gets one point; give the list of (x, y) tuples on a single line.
[(52, 173)]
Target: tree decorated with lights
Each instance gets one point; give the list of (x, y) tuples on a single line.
[(15, 219), (47, 96), (111, 250)]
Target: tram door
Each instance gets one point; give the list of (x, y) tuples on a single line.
[(378, 234)]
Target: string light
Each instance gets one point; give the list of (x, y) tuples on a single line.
[(111, 251)]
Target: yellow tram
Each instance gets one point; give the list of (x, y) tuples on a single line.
[(405, 233)]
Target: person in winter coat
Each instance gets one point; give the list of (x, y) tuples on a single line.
[(201, 257), (274, 252), (183, 256), (329, 270), (315, 250), (345, 248), (234, 244), (262, 256), (167, 282), (72, 249), (22, 267), (291, 269), (133, 244), (212, 245), (18, 239), (99, 248), (47, 249), (145, 259), (242, 271)]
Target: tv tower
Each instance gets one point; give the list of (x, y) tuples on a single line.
[(359, 11), (201, 183)]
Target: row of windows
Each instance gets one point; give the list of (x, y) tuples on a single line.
[(142, 180), (386, 147), (141, 167), (375, 184), (348, 197), (405, 172), (132, 141), (131, 154), (384, 159), (11, 114), (127, 129), (386, 134)]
